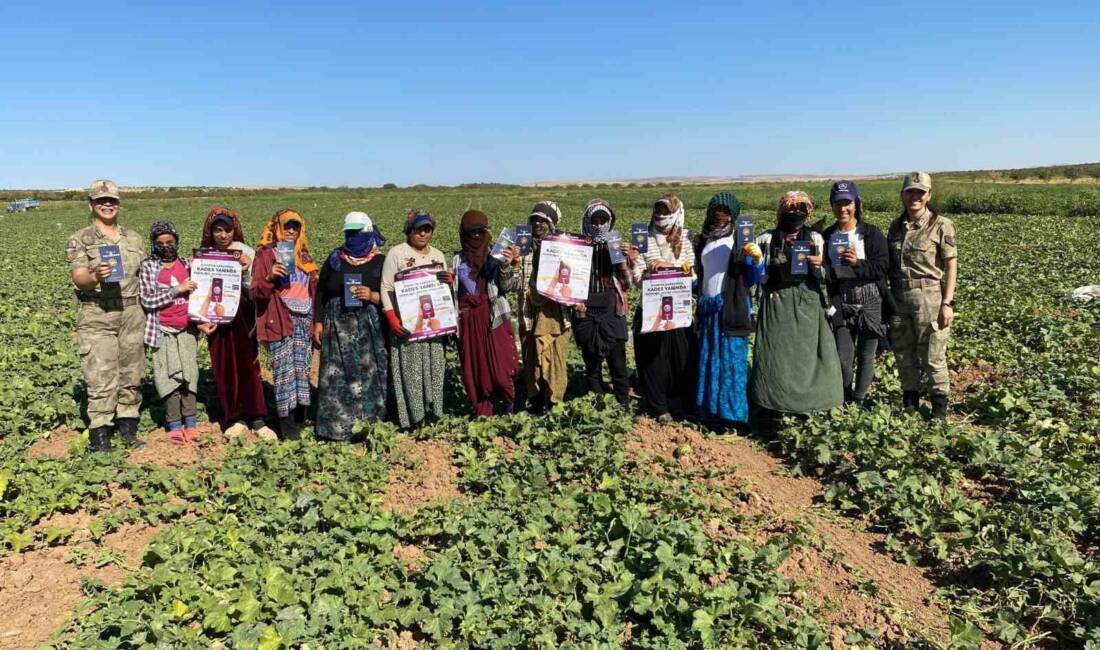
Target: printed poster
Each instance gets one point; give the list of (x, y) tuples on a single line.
[(425, 304), (666, 301), (218, 276), (565, 265)]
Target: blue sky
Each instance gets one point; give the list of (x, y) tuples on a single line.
[(350, 93)]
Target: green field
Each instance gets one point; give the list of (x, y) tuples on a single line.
[(563, 531)]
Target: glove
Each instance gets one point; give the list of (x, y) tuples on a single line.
[(395, 324), (750, 249), (446, 277)]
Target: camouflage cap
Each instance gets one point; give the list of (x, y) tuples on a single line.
[(103, 189), (917, 180)]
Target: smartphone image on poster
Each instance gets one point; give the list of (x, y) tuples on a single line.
[(666, 308), (564, 273), (427, 309), (216, 289)]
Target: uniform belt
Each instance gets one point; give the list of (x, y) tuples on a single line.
[(919, 282), (106, 301)]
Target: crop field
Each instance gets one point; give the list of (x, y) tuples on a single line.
[(584, 528)]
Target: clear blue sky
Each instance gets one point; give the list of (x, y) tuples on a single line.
[(343, 93)]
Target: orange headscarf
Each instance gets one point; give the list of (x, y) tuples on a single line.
[(273, 232)]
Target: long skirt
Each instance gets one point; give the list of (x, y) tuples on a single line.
[(795, 364), (351, 385), (722, 388), (290, 361), (417, 370), (489, 363), (233, 362), (667, 369)]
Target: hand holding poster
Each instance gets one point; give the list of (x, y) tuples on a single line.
[(218, 292), (666, 301), (424, 304), (565, 265)]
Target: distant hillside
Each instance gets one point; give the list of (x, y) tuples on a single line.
[(1083, 172)]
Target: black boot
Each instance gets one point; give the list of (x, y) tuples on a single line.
[(99, 438), (288, 428), (127, 429), (910, 400), (939, 406)]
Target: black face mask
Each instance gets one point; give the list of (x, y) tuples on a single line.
[(791, 222), (166, 252)]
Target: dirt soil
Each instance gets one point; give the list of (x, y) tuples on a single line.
[(54, 446), (904, 592), (211, 446), (430, 477), (979, 374), (39, 589)]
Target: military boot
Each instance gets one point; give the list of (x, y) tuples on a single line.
[(910, 400), (99, 438), (127, 429), (939, 406)]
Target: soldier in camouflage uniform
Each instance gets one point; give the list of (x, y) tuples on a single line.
[(923, 269), (109, 323)]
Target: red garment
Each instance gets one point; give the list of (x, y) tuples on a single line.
[(235, 368), (489, 363), (272, 317), (175, 314)]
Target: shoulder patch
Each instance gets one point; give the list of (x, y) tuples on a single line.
[(949, 240)]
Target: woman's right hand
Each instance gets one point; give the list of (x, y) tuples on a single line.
[(750, 249), (581, 310), (318, 329), (278, 270), (102, 272)]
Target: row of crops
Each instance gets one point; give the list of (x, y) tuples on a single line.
[(561, 540)]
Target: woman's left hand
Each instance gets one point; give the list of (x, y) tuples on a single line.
[(814, 260), (630, 252), (511, 255), (850, 256), (361, 292), (318, 329), (207, 328), (947, 316)]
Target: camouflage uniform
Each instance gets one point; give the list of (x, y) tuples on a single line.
[(110, 327), (919, 251)]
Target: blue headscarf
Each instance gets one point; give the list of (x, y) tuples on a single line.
[(357, 243)]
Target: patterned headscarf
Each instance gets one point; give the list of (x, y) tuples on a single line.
[(273, 232), (164, 252), (711, 230), (220, 214), (795, 201), (598, 233), (669, 226)]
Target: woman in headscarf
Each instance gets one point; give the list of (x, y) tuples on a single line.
[(544, 324), (795, 364), (164, 282), (725, 315), (599, 323), (416, 367), (857, 262), (666, 361), (233, 349), (284, 306), (485, 342), (347, 325)]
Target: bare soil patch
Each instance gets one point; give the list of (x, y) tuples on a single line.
[(39, 589), (979, 374), (55, 445), (901, 588), (431, 476), (412, 557), (158, 451)]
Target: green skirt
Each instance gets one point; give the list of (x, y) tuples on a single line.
[(795, 364)]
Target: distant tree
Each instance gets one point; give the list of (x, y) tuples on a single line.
[(389, 186), (1072, 171)]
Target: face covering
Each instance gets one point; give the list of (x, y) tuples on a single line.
[(166, 252), (540, 228), (791, 222)]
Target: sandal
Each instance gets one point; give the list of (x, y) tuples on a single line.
[(178, 437), (191, 434)]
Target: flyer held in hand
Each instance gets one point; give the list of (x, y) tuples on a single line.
[(666, 301), (217, 275), (565, 266), (425, 304)]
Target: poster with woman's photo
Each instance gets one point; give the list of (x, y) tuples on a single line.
[(666, 301), (565, 266), (424, 304), (217, 275)]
